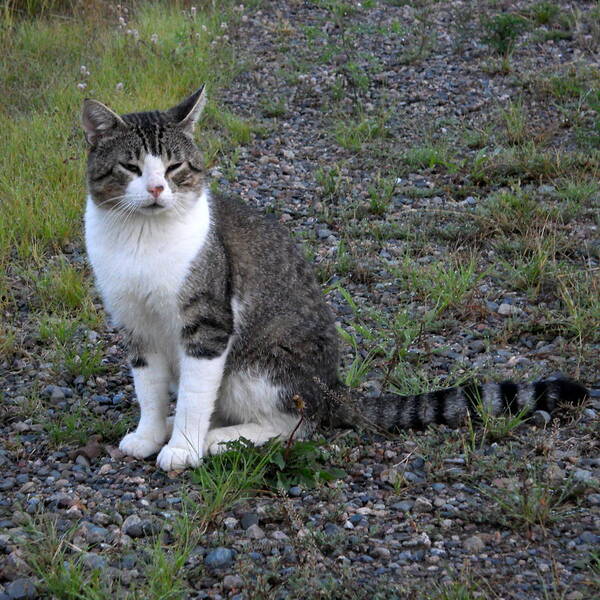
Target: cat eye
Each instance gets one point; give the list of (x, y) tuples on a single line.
[(173, 167), (131, 168)]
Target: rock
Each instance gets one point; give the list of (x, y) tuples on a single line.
[(91, 560), (582, 475), (280, 536), (132, 526), (421, 541), (331, 529), (231, 582), (21, 589), (8, 483), (473, 544), (254, 532), (381, 552), (101, 518), (230, 522), (248, 519), (594, 499), (94, 534), (404, 506), (507, 310), (295, 491), (219, 558), (422, 505), (554, 472), (541, 418)]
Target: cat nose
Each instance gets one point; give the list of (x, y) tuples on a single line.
[(156, 191)]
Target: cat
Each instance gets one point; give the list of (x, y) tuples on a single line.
[(217, 300)]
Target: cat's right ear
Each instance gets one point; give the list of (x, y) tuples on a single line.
[(98, 120)]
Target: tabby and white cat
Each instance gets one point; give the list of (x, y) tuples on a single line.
[(218, 301)]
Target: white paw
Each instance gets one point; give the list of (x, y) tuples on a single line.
[(216, 441), (134, 444), (172, 458)]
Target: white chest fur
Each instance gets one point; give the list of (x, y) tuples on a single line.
[(141, 263)]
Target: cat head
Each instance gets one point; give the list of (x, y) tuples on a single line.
[(145, 163)]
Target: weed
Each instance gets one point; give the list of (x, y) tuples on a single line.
[(243, 470), (532, 502), (353, 134), (515, 121), (544, 12), (429, 156), (502, 32), (331, 181), (273, 107), (381, 192)]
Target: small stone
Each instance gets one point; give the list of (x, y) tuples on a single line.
[(323, 234), (554, 473), (94, 534), (21, 589), (91, 560), (104, 469), (422, 541), (594, 499), (101, 518), (132, 526), (506, 310), (82, 460), (474, 544), (295, 491), (254, 532), (381, 552), (8, 483), (582, 475), (404, 506), (541, 418), (231, 582), (248, 519), (422, 505), (280, 536), (219, 558), (574, 595), (230, 522)]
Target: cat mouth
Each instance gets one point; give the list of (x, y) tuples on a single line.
[(154, 207)]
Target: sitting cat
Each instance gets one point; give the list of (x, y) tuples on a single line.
[(215, 299)]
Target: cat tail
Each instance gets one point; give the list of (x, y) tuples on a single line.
[(454, 406)]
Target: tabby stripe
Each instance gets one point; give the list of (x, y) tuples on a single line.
[(137, 362), (540, 396), (201, 351), (438, 399), (190, 330), (508, 395)]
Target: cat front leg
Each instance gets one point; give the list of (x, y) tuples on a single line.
[(199, 384), (151, 379)]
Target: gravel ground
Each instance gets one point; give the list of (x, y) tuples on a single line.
[(422, 514)]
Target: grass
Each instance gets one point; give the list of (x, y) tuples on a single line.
[(245, 470), (354, 134), (532, 502)]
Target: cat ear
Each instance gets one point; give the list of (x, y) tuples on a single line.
[(98, 119), (187, 113)]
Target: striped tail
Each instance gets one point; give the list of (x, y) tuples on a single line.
[(453, 406)]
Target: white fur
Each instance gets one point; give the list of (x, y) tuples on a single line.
[(153, 176), (140, 262)]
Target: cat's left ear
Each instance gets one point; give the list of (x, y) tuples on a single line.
[(98, 120), (187, 113)]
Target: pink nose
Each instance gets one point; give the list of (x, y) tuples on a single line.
[(156, 191)]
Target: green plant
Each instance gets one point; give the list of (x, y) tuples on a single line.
[(532, 501), (353, 134), (544, 12), (244, 470), (502, 31), (381, 192)]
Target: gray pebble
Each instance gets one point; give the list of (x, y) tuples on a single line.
[(232, 581), (541, 418), (254, 532), (582, 475), (132, 526), (219, 558), (21, 589), (91, 560), (474, 544), (248, 519)]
